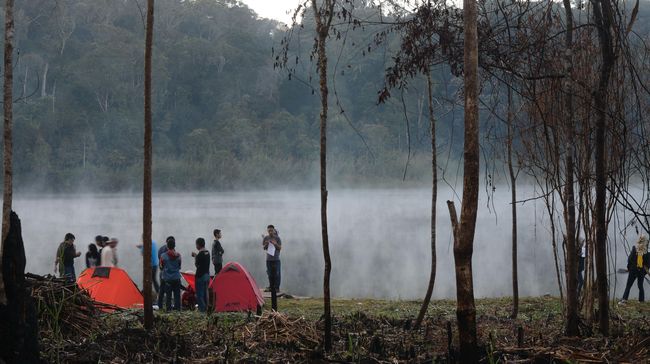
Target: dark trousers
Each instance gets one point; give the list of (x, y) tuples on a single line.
[(633, 275), (217, 268), (154, 279), (202, 291), (69, 273), (161, 293), (173, 287), (273, 272), (274, 266)]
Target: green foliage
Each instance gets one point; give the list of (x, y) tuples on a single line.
[(224, 118)]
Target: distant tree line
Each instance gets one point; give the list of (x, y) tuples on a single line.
[(224, 118)]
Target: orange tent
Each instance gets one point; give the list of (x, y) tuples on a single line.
[(111, 285), (235, 290)]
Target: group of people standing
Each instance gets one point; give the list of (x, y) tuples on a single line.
[(170, 263), (105, 255), (166, 259)]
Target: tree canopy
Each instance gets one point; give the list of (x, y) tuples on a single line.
[(224, 117)]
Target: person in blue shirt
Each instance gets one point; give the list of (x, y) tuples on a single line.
[(154, 264)]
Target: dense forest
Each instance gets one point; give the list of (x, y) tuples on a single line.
[(224, 116)]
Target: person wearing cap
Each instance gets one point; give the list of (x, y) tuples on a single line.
[(638, 264), (109, 253)]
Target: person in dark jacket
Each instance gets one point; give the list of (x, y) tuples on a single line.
[(92, 256), (99, 241), (69, 254), (638, 264), (202, 263), (170, 262), (217, 252), (59, 267)]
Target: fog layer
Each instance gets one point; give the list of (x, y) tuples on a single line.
[(380, 239)]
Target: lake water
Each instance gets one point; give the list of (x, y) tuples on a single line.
[(380, 239)]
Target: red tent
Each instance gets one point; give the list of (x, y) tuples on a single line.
[(190, 278), (235, 290), (111, 285), (188, 298)]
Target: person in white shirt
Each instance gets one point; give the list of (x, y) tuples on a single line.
[(109, 253)]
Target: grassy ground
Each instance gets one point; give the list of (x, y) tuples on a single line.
[(364, 331)]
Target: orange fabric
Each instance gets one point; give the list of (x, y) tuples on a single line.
[(118, 289), (235, 289)]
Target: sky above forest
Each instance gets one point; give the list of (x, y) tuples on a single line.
[(281, 10)]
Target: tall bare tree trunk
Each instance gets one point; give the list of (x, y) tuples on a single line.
[(572, 253), (464, 243), (513, 202), (604, 20), (18, 317), (146, 208), (7, 195), (570, 213), (323, 20), (434, 200)]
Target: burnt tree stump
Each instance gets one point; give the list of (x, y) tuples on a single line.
[(19, 329)]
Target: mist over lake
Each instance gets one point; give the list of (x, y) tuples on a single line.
[(380, 238)]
